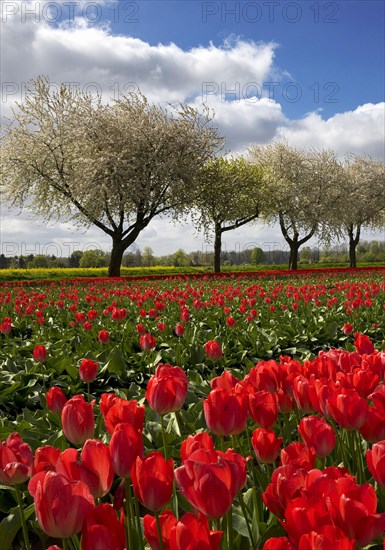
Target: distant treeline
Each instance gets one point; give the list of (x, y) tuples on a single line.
[(367, 251)]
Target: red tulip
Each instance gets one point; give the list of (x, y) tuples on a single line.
[(45, 459), (167, 521), (179, 330), (140, 329), (325, 538), (209, 481), (152, 479), (16, 460), (266, 445), (6, 327), (147, 342), (78, 420), (226, 381), (375, 459), (88, 370), (263, 408), (213, 350), (61, 505), (102, 530), (40, 353), (347, 329), (359, 518), (103, 336), (95, 457), (348, 409), (287, 483), (167, 389), (225, 413), (55, 399), (317, 433), (116, 411), (299, 455), (201, 440), (193, 533), (363, 344), (279, 543), (125, 445)]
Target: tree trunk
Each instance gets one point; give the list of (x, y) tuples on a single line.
[(217, 247), (293, 259), (116, 258), (353, 242)]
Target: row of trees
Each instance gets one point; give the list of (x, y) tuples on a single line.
[(117, 166), (367, 251)]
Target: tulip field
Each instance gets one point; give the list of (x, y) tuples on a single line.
[(232, 412)]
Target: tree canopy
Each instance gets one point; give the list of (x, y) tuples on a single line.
[(115, 166), (228, 198), (298, 191)]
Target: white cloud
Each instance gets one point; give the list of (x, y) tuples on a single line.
[(221, 75), (359, 131)]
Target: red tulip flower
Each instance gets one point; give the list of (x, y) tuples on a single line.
[(225, 413), (88, 370), (192, 443), (40, 354), (348, 409), (375, 459), (103, 336), (125, 445), (317, 433), (102, 530), (116, 410), (6, 327), (147, 342), (363, 344), (78, 420), (279, 543), (16, 460), (140, 329), (298, 454), (45, 459), (55, 399), (264, 408), (209, 481), (193, 533), (325, 538), (266, 445), (167, 521), (347, 329), (152, 479), (179, 330), (213, 350), (95, 457), (61, 505), (167, 389)]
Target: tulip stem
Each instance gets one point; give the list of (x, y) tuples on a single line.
[(164, 437), (22, 518), (138, 524), (230, 528), (246, 516), (128, 514), (161, 545)]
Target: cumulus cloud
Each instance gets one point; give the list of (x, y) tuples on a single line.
[(359, 131), (228, 77)]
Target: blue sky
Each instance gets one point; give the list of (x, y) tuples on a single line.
[(310, 72), (336, 43)]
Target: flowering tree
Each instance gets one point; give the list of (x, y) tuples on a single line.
[(298, 191), (361, 201), (228, 198), (66, 155)]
